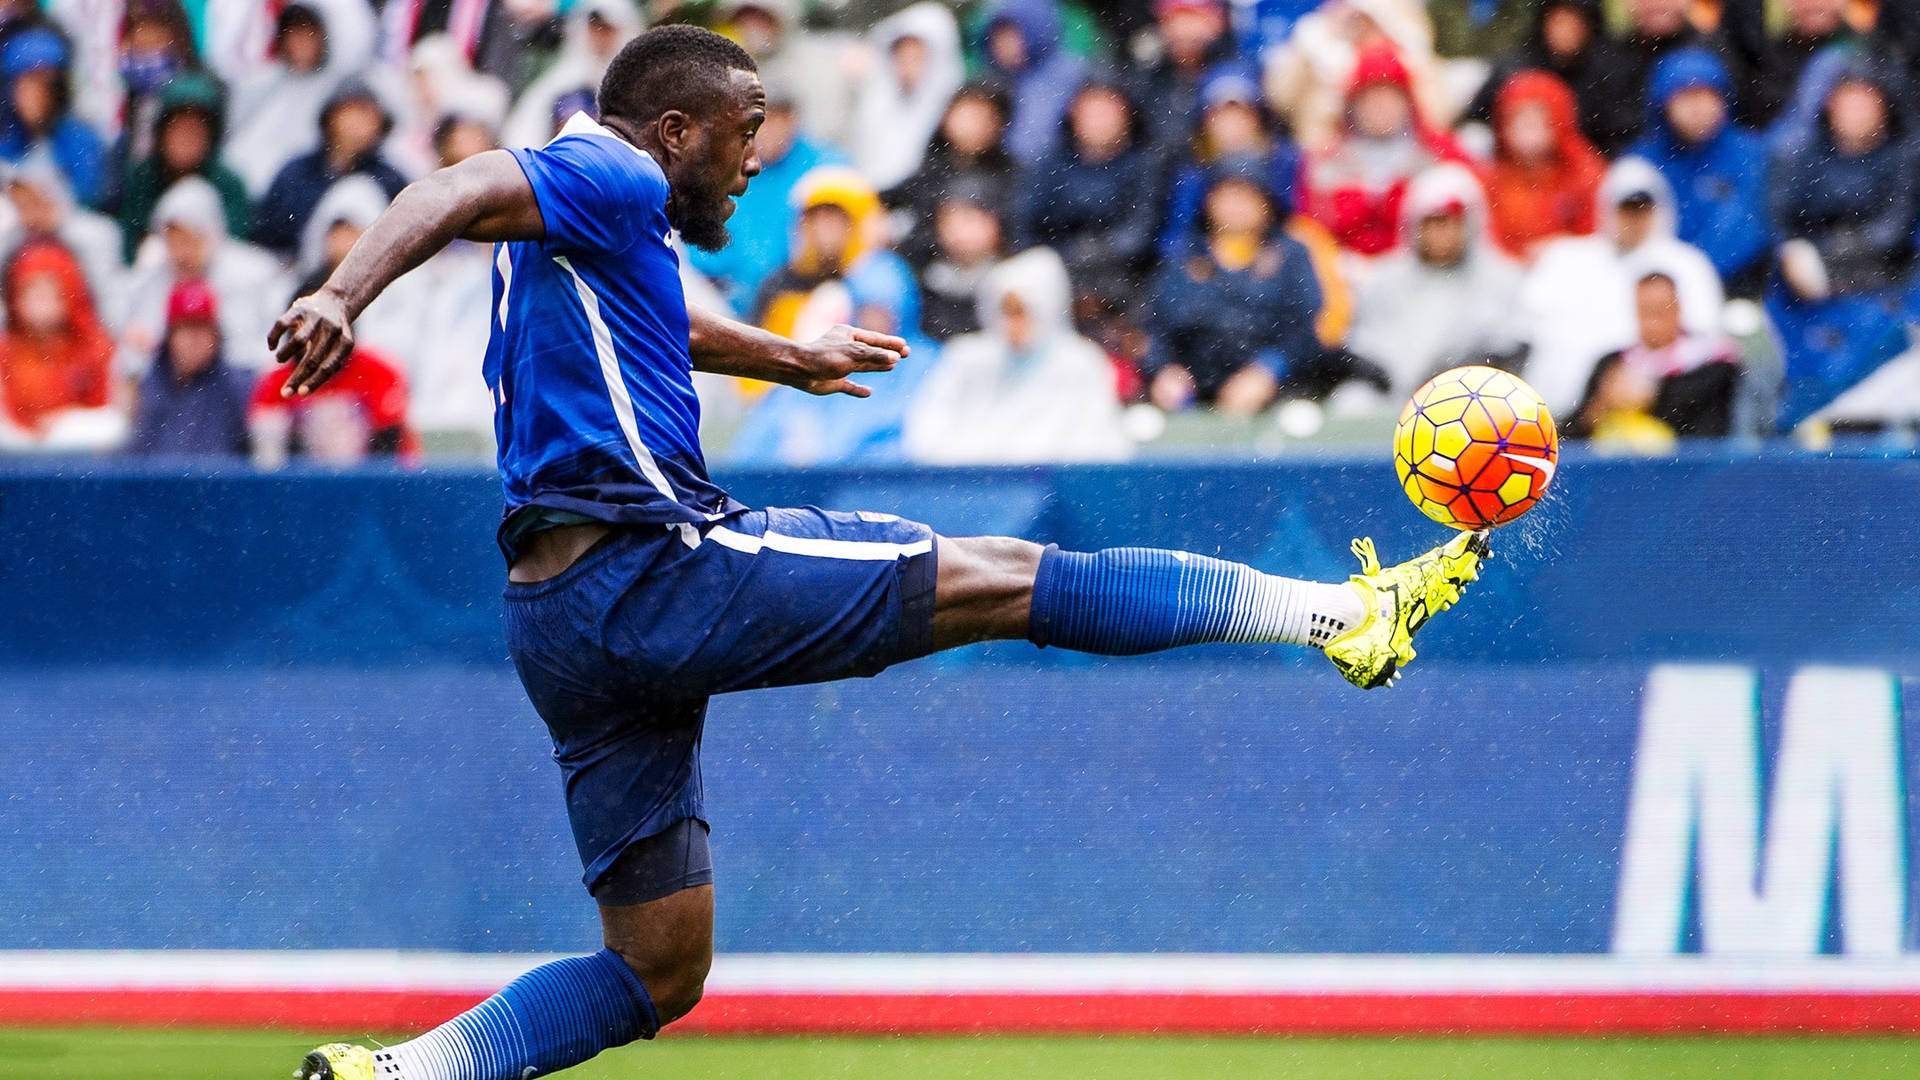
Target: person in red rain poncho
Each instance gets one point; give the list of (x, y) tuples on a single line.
[(54, 356), (1545, 174), (1355, 188)]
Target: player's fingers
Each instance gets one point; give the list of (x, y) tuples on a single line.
[(844, 386), (872, 358), (280, 327), (322, 345), (895, 345)]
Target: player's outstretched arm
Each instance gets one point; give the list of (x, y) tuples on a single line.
[(822, 366), (485, 198)]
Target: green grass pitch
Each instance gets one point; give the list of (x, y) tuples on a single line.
[(66, 1054)]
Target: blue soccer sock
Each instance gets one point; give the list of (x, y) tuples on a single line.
[(555, 1016), (1123, 601)]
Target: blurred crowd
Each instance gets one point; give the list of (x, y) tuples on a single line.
[(1674, 217)]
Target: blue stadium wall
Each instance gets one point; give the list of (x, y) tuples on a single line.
[(265, 712)]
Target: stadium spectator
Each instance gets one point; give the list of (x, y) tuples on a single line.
[(1716, 168), (352, 126), (1194, 39), (764, 218), (190, 242), (1027, 388), (39, 107), (1312, 78), (595, 30), (1843, 202), (1097, 200), (1576, 304), (191, 403), (1654, 29), (1544, 174), (815, 65), (56, 361), (1233, 316), (443, 86), (187, 131), (1355, 187), (40, 205), (969, 148), (916, 72), (276, 104), (1668, 383), (1771, 74), (1444, 299), (156, 48), (840, 223), (1022, 43), (1234, 127), (360, 413), (970, 240), (1569, 41)]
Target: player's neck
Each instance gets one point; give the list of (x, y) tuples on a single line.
[(641, 139)]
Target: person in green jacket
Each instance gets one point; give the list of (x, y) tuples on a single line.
[(186, 142)]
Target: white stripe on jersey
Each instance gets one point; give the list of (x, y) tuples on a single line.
[(504, 261), (616, 383)]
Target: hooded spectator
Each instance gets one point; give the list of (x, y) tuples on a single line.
[(1716, 168), (969, 148), (764, 218), (1668, 383), (190, 242), (1234, 127), (1233, 318), (1576, 304), (39, 205), (595, 30), (276, 104), (352, 126), (359, 413), (1545, 174), (1097, 200), (970, 240), (1569, 41), (815, 65), (1021, 40), (1027, 389), (444, 87), (1311, 80), (392, 324), (56, 361), (916, 73), (39, 106), (1445, 298), (190, 402), (1843, 202), (839, 236), (1842, 193), (1195, 39), (1775, 70), (156, 49), (1355, 188), (186, 142)]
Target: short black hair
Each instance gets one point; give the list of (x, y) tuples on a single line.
[(671, 67)]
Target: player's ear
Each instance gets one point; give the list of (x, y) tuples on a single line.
[(676, 131)]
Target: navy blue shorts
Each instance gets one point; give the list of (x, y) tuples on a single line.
[(620, 652)]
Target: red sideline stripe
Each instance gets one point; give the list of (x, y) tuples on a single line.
[(872, 1014)]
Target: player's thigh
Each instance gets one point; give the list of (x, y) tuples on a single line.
[(788, 596), (985, 589), (668, 943)]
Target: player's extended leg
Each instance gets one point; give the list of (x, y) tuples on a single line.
[(1123, 601)]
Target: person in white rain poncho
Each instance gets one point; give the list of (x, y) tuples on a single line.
[(1028, 388), (39, 203), (190, 240), (1577, 302), (916, 72), (274, 116)]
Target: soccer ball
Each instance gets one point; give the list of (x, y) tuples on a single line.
[(1475, 447)]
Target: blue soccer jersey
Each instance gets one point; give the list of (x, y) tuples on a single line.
[(594, 406)]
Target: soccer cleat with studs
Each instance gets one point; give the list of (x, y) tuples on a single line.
[(1398, 601), (336, 1061)]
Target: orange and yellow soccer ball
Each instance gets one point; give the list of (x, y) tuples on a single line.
[(1475, 447)]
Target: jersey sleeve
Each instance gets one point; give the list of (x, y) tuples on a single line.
[(597, 195)]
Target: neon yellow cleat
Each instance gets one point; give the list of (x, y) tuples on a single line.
[(336, 1061), (1399, 600)]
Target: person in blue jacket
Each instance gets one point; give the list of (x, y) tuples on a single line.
[(1022, 44), (1234, 128), (1717, 168), (36, 65)]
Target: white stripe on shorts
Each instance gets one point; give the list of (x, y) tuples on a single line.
[(815, 547)]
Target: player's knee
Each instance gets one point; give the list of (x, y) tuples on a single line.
[(675, 981)]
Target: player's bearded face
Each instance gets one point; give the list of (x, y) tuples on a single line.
[(698, 204)]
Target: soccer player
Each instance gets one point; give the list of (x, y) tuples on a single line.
[(637, 589)]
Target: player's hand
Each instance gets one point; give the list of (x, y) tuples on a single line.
[(316, 337), (843, 351)]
